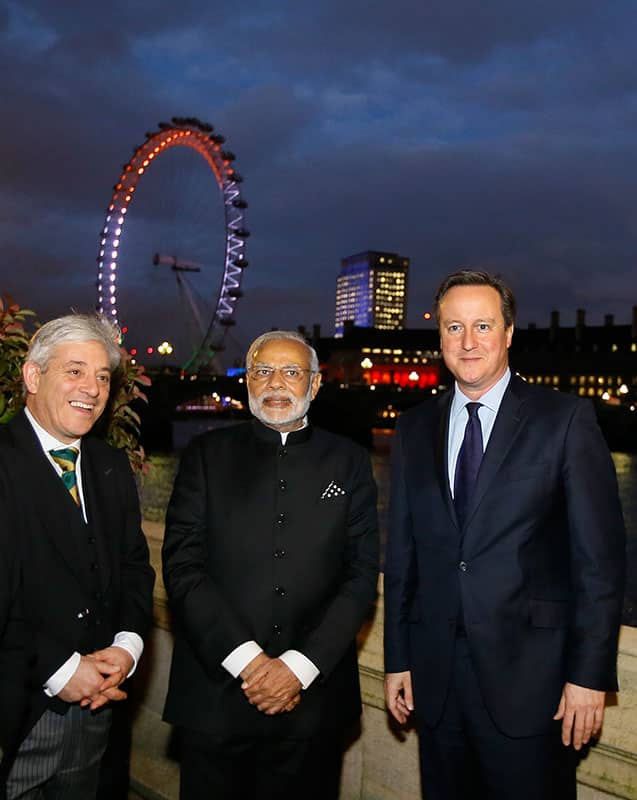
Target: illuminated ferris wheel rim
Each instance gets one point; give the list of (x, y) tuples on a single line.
[(199, 136)]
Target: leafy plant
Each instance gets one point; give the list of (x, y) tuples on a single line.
[(120, 423), (14, 343)]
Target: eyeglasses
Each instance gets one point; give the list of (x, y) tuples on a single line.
[(481, 329), (289, 374)]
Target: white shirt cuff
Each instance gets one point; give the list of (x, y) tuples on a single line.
[(304, 669), (236, 661), (62, 676), (133, 644)]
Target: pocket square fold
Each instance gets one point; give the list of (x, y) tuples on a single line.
[(332, 490)]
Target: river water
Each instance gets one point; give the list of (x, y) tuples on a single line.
[(157, 485)]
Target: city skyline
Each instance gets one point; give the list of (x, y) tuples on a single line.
[(460, 134)]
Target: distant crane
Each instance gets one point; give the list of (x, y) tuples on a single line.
[(179, 266)]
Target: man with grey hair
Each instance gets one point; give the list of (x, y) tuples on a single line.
[(270, 564), (85, 568)]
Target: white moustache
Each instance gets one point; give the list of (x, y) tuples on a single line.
[(276, 397)]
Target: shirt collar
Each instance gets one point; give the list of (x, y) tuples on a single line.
[(47, 441), (491, 399)]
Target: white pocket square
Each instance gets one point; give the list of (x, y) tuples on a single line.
[(333, 490)]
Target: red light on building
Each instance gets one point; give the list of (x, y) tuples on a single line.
[(421, 377)]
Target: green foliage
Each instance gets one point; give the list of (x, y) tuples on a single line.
[(120, 423), (14, 343)]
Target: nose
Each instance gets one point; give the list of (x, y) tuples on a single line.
[(468, 339), (275, 381), (90, 386)]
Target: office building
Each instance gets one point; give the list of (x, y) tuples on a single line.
[(371, 291)]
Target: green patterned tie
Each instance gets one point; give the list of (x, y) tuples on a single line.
[(66, 457)]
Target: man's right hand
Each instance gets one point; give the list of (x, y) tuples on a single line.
[(399, 695), (86, 681)]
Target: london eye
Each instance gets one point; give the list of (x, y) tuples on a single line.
[(209, 147)]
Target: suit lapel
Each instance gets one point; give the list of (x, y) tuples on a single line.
[(441, 434), (508, 423), (97, 482), (45, 493)]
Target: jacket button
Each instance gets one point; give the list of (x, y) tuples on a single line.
[(93, 567), (279, 553), (280, 519), (91, 540), (463, 566), (283, 453), (283, 485), (279, 590), (277, 629)]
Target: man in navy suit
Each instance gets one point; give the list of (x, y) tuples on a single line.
[(504, 568)]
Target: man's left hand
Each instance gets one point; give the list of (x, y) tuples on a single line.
[(272, 687), (582, 713)]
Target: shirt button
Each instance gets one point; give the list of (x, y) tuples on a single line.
[(279, 590), (283, 485), (277, 629), (463, 566), (280, 519), (279, 553)]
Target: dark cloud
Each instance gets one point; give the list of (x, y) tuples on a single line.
[(491, 134)]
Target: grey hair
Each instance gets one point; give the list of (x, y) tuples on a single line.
[(75, 328), (271, 336)]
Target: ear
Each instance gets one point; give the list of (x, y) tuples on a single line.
[(316, 384), (31, 376), (509, 334)]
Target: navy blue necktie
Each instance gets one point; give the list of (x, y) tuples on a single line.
[(468, 463)]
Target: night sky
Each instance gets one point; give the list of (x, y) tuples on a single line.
[(495, 134)]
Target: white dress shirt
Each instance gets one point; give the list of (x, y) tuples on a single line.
[(458, 416), (127, 640), (236, 661)]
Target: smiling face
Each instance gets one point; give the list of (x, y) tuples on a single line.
[(69, 395), (276, 402), (474, 339)]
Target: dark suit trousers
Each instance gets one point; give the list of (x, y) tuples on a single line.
[(465, 755), (267, 768)]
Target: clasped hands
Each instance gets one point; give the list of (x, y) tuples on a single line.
[(96, 680), (270, 685)]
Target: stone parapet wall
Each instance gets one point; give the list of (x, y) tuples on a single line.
[(383, 763)]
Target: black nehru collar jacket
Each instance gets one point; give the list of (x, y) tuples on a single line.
[(270, 436)]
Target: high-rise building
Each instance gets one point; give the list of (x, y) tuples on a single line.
[(371, 291)]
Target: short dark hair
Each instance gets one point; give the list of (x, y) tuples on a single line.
[(471, 277)]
